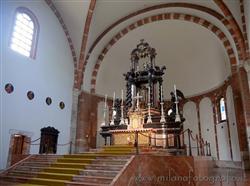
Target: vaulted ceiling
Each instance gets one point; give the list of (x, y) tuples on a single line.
[(185, 48)]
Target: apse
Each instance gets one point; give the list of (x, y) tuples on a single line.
[(195, 58)]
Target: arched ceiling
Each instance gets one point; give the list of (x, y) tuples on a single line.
[(106, 12), (74, 14), (196, 60)]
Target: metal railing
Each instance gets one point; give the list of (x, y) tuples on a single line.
[(203, 148)]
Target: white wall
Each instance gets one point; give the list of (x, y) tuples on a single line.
[(190, 71), (223, 142), (50, 74), (191, 122), (232, 125), (207, 124)]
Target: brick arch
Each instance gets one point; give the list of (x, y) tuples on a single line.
[(207, 10), (237, 31), (160, 17), (244, 30)]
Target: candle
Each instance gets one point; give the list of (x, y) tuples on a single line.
[(114, 100), (105, 102), (122, 97), (175, 91), (149, 94), (161, 93)]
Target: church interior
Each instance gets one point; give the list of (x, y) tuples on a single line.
[(125, 92)]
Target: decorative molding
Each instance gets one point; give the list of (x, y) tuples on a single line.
[(81, 67), (244, 28), (240, 44)]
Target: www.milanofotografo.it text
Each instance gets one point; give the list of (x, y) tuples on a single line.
[(190, 178)]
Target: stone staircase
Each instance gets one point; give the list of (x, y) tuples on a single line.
[(89, 168), (26, 169), (101, 171)]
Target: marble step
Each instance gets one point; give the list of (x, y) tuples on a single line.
[(38, 163), (109, 162), (45, 157), (62, 170), (22, 173), (75, 160), (29, 168), (7, 183), (85, 184), (104, 167), (105, 173), (56, 176), (69, 165), (118, 148), (127, 157), (14, 179), (92, 179), (116, 152)]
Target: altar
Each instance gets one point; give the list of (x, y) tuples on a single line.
[(140, 118), (146, 137)]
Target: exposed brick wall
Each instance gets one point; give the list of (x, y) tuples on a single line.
[(87, 120), (81, 66), (240, 44), (244, 28), (241, 94)]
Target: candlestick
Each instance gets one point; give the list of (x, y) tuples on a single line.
[(114, 100), (105, 101), (175, 91), (122, 97), (148, 93), (104, 111), (161, 93), (113, 112), (177, 115)]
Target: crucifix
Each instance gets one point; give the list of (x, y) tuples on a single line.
[(137, 97)]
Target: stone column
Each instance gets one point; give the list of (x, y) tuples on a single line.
[(74, 118), (242, 109), (82, 125)]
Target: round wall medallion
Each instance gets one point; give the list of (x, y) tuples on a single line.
[(30, 95), (48, 100), (61, 105), (9, 88)]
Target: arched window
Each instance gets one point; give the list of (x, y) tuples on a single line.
[(222, 110), (25, 33)]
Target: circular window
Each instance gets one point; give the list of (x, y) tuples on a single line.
[(61, 105), (48, 100), (9, 88), (30, 95)]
